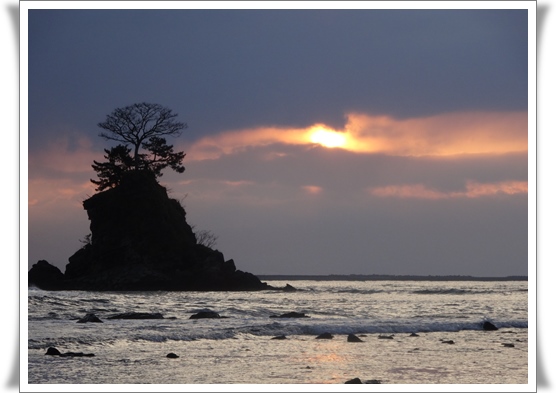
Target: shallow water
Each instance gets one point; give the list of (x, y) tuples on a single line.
[(240, 349)]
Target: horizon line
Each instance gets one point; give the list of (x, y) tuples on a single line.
[(393, 277)]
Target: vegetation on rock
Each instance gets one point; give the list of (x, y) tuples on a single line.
[(140, 129)]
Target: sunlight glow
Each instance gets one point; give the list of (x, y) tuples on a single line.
[(326, 137), (448, 134)]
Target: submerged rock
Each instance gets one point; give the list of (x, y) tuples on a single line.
[(386, 337), (325, 336), (89, 318), (448, 342), (55, 352), (77, 354), (292, 314), (205, 314), (137, 315), (282, 337), (289, 288)]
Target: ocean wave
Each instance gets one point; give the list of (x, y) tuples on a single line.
[(360, 291), (230, 329), (370, 327), (41, 300), (64, 342), (336, 308), (449, 291)]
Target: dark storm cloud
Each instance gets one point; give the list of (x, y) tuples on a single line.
[(226, 69)]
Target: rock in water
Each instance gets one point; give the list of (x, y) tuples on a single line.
[(205, 314), (489, 326), (172, 355), (325, 336), (354, 380), (292, 314), (352, 338), (448, 342), (53, 352), (137, 315), (89, 318), (77, 354), (140, 240), (46, 276)]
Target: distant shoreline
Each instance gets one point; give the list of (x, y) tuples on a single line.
[(383, 277)]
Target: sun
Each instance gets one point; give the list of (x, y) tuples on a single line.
[(327, 137)]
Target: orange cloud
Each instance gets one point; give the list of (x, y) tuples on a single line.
[(312, 190), (230, 141), (238, 183), (58, 157), (511, 187), (472, 190), (52, 194), (440, 135), (417, 191), (59, 174)]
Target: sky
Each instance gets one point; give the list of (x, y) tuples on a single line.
[(319, 141)]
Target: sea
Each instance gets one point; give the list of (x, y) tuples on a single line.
[(413, 333)]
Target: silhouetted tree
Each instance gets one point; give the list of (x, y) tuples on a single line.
[(143, 127), (110, 173), (161, 156)]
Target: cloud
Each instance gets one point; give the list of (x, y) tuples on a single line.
[(428, 158), (345, 174), (473, 190), (68, 155), (273, 194), (227, 142), (59, 174), (440, 135), (49, 195), (312, 190)]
